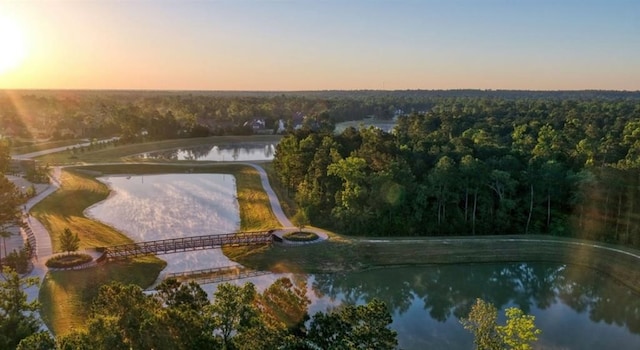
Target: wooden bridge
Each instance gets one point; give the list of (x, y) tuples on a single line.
[(216, 274), (185, 244)]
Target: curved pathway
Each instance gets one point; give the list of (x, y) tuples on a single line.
[(287, 226)]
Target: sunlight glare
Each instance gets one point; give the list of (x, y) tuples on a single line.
[(12, 45)]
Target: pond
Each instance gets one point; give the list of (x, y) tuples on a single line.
[(236, 152), (576, 308), (153, 207)]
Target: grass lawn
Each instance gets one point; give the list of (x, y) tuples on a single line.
[(66, 295), (40, 146), (122, 153)]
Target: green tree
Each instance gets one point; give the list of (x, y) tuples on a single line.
[(518, 333), (37, 341), (10, 201), (482, 322), (124, 317), (190, 295), (69, 242), (520, 330), (232, 311), (354, 327), (17, 315)]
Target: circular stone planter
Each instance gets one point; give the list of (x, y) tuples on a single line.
[(298, 236), (66, 261)]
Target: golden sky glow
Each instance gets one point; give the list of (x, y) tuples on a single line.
[(13, 44), (317, 45)]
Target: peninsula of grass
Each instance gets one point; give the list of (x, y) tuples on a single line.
[(125, 152), (65, 296), (300, 236)]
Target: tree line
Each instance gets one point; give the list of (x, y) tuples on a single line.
[(165, 115), (476, 166), (180, 316)]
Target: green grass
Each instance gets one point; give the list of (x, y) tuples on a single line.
[(40, 146), (124, 152)]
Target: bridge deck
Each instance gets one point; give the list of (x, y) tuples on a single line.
[(185, 244)]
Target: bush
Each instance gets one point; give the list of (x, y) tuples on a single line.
[(300, 236), (66, 261), (19, 260)]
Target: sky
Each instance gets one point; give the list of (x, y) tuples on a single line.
[(320, 44)]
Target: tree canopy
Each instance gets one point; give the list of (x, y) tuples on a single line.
[(475, 166)]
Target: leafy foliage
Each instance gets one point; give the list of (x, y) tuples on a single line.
[(69, 242), (518, 332), (17, 316), (180, 317), (475, 166)]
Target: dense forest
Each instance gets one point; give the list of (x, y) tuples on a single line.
[(476, 166), (164, 114)]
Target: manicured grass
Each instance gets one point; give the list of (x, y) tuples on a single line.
[(121, 153), (40, 146), (64, 209)]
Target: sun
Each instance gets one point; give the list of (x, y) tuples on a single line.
[(13, 48)]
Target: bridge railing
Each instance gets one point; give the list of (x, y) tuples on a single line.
[(182, 244)]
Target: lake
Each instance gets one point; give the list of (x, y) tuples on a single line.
[(236, 152), (576, 308)]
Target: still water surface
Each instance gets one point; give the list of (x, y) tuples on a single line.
[(575, 307), (237, 152)]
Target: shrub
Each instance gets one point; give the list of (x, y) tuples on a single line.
[(300, 236), (70, 260), (18, 260)]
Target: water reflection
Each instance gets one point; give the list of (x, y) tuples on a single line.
[(237, 152), (590, 308)]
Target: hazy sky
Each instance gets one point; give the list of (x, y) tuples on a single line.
[(317, 45)]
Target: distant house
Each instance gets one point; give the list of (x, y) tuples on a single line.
[(297, 120), (256, 124)]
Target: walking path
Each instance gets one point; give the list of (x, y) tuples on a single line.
[(287, 226)]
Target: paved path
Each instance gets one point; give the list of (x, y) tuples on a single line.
[(287, 226), (57, 149), (273, 198)]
